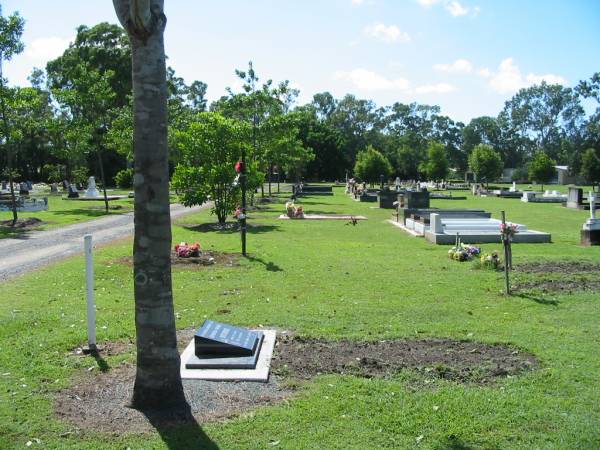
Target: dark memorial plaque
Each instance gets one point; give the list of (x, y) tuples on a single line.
[(221, 346)]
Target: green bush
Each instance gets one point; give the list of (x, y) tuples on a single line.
[(124, 179)]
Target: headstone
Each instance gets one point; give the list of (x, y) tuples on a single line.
[(528, 196), (435, 223), (218, 345), (54, 188), (513, 187), (29, 185), (73, 192), (4, 185), (91, 192), (419, 199), (590, 234), (575, 198), (65, 184), (23, 189)]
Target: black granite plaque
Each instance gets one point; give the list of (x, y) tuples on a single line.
[(222, 340)]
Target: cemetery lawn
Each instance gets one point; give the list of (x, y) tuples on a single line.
[(66, 212), (331, 280)]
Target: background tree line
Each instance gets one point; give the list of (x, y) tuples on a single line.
[(75, 121)]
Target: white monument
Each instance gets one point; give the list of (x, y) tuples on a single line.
[(514, 187), (91, 191), (592, 223)]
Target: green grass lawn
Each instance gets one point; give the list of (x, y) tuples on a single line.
[(329, 279), (66, 212)]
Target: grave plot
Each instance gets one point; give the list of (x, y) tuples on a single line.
[(416, 221), (546, 197), (444, 230)]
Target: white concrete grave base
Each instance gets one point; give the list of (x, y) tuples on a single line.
[(260, 373), (323, 217)]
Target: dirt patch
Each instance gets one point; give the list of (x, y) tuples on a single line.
[(442, 358), (23, 224), (558, 277), (110, 207), (97, 401), (564, 267), (206, 259)]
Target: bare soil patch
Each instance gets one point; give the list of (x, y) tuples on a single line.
[(97, 401), (564, 267), (559, 277), (443, 358), (23, 224)]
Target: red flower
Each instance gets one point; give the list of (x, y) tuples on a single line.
[(239, 167)]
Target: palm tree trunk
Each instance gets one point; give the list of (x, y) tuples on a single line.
[(158, 381)]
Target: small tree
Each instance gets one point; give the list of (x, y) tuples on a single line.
[(485, 163), (370, 165), (436, 166), (541, 168), (210, 147), (590, 166)]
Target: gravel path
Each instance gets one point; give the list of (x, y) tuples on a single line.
[(17, 257)]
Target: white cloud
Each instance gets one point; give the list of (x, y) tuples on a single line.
[(386, 33), (458, 66), (47, 48), (357, 2), (456, 9), (484, 72), (428, 3), (439, 88), (509, 79), (367, 80)]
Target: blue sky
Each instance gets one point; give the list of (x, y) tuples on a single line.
[(467, 56)]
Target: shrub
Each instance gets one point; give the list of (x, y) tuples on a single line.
[(124, 178)]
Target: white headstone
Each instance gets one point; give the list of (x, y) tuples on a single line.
[(514, 187), (592, 223), (435, 223), (91, 191)]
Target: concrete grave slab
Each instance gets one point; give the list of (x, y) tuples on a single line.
[(324, 217)]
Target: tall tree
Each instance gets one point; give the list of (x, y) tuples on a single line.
[(436, 166), (11, 29), (371, 165), (590, 166), (158, 381)]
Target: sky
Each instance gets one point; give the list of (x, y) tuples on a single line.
[(467, 56)]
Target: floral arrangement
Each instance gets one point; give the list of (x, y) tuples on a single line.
[(185, 250), (463, 252), (508, 230), (490, 260), (294, 211), (238, 214)]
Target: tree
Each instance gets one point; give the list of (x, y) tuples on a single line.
[(590, 166), (158, 381), (436, 166), (541, 168), (11, 30), (210, 147), (371, 164), (485, 163)]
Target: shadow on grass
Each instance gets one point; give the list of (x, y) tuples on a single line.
[(540, 300), (179, 430), (14, 233), (102, 364), (452, 443), (91, 212), (270, 266), (230, 228)]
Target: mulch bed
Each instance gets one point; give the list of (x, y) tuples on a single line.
[(564, 267), (97, 401), (206, 259), (23, 224)]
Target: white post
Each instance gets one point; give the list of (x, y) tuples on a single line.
[(89, 278), (592, 199)]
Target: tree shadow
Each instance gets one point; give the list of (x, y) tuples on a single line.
[(452, 443), (540, 300), (100, 212), (179, 429), (270, 266), (102, 364)]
